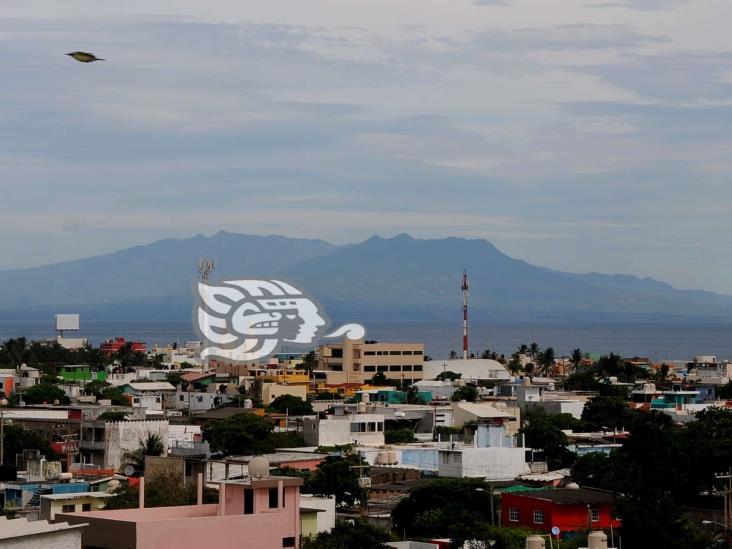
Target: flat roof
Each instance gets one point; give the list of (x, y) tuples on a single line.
[(571, 496), (77, 495)]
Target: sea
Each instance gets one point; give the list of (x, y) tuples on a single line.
[(659, 341)]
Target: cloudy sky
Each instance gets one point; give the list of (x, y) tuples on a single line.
[(584, 135)]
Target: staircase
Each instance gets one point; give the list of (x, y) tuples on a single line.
[(35, 501)]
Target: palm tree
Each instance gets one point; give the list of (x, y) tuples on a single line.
[(534, 350), (514, 365), (522, 349), (576, 358), (151, 446), (546, 361)]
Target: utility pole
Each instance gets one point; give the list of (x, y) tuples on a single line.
[(727, 498), (2, 437)]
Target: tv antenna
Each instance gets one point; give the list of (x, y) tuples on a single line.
[(206, 266)]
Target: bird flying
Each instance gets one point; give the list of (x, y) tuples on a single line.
[(84, 57)]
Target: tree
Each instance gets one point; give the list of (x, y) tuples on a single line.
[(534, 351), (582, 379), (546, 361), (44, 393), (379, 380), (430, 510), (152, 445), (338, 476), (17, 439), (241, 434), (290, 404), (514, 365), (543, 431), (603, 412), (609, 365), (95, 388), (725, 392), (309, 362), (447, 375), (116, 396), (164, 488), (399, 436), (113, 416), (466, 392), (576, 359), (359, 535)]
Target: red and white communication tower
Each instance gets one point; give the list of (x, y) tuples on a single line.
[(465, 314)]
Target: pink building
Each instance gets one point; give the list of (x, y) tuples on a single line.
[(251, 513)]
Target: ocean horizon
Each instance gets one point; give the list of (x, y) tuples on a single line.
[(659, 341)]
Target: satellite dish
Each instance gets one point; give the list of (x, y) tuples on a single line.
[(128, 470)]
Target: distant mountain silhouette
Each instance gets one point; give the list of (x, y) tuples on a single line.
[(394, 278)]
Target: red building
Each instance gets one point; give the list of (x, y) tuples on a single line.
[(112, 346), (569, 509)]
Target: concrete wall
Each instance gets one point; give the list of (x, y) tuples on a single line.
[(66, 539), (490, 463), (121, 437), (336, 431), (327, 518), (271, 391), (572, 407)]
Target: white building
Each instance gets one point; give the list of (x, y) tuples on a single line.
[(106, 443), (336, 430), (489, 463), (472, 369), (198, 401)]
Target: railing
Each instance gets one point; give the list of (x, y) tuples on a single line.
[(91, 444)]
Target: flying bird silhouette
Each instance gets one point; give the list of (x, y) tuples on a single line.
[(84, 57)]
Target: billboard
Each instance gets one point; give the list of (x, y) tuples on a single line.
[(67, 322)]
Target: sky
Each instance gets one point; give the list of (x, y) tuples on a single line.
[(582, 135)]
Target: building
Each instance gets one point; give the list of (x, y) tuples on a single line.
[(259, 512), (105, 443), (485, 413), (569, 509), (71, 503), (79, 373), (362, 429), (112, 346), (21, 534), (7, 381), (150, 395), (471, 369), (198, 401), (317, 514), (271, 391), (359, 361)]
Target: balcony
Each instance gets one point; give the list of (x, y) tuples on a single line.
[(91, 445)]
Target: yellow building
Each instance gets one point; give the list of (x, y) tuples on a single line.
[(71, 503), (358, 361)]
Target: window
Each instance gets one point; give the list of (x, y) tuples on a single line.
[(417, 352), (417, 367), (369, 353), (445, 457), (200, 399), (395, 368), (406, 352), (513, 514), (369, 368), (379, 426), (458, 458), (407, 368), (86, 507), (248, 502), (355, 427), (538, 516), (395, 352), (181, 398), (273, 498), (288, 542), (382, 368), (336, 353), (68, 508), (595, 515)]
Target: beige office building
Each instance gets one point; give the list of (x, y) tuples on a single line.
[(357, 361)]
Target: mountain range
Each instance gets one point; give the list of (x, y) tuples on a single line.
[(399, 278)]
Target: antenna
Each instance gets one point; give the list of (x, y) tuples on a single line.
[(206, 266), (465, 314)]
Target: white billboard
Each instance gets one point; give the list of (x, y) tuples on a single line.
[(67, 322)]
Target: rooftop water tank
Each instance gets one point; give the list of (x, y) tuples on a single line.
[(259, 467), (535, 542), (597, 540)]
